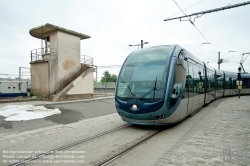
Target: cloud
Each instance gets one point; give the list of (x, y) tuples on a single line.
[(113, 25)]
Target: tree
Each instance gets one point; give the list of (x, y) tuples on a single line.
[(114, 77), (108, 77)]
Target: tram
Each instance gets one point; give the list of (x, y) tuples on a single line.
[(163, 85)]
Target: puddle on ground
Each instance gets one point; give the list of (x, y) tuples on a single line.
[(4, 124), (67, 116)]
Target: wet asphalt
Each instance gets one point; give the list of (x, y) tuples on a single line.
[(70, 113)]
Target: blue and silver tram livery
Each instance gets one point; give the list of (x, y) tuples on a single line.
[(165, 84)]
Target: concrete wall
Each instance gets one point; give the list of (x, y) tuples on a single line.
[(83, 85), (53, 63), (40, 79), (68, 53)]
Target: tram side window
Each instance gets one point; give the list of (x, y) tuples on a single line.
[(179, 81), (203, 79), (190, 80), (210, 81), (219, 82), (234, 82), (246, 82), (230, 82), (181, 72), (199, 77)]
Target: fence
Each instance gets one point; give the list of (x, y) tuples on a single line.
[(99, 88), (104, 88)]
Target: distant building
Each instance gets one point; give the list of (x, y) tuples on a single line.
[(13, 88)]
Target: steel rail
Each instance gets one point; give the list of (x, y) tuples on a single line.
[(107, 161), (69, 145)]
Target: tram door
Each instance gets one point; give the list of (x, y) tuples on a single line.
[(190, 87)]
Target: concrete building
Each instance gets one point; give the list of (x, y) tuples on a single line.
[(58, 71)]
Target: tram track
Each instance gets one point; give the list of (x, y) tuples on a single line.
[(115, 157), (70, 145), (164, 151)]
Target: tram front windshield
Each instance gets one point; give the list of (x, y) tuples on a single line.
[(144, 73)]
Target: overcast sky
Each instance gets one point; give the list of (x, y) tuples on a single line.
[(114, 24)]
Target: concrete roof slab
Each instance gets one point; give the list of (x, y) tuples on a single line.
[(39, 32)]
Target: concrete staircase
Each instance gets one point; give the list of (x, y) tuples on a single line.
[(66, 83)]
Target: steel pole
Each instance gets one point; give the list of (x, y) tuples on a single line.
[(19, 73), (218, 60), (96, 74)]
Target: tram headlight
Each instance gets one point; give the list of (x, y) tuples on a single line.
[(134, 107)]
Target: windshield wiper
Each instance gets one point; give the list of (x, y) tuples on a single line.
[(128, 88), (155, 88), (150, 91)]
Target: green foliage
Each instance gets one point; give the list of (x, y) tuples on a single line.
[(108, 77)]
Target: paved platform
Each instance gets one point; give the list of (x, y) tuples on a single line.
[(222, 139)]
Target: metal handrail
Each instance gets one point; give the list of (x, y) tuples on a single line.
[(38, 54), (87, 60)]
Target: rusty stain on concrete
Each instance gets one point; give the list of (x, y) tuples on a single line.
[(68, 64)]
